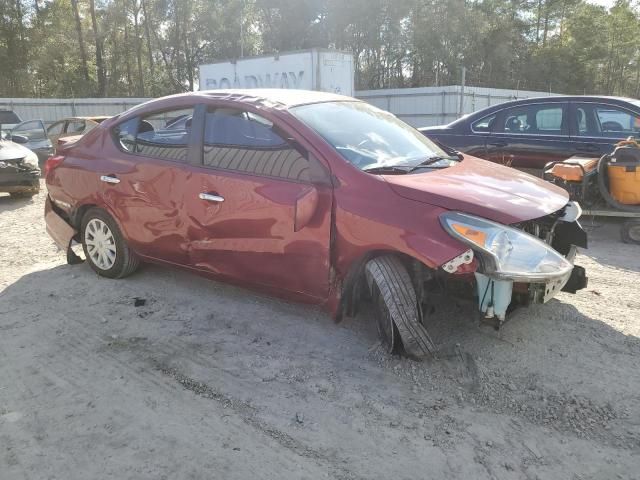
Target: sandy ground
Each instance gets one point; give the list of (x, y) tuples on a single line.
[(210, 381)]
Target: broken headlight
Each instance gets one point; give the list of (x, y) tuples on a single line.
[(31, 161), (506, 253)]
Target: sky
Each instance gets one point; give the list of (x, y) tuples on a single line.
[(604, 3)]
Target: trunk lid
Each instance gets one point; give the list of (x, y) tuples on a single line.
[(482, 188)]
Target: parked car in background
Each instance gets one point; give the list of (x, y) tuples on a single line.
[(19, 171), (315, 197), (31, 134), (72, 128), (530, 133)]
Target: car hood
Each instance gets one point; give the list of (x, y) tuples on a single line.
[(12, 151), (482, 188)]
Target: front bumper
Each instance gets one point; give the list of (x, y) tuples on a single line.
[(12, 182), (496, 295)]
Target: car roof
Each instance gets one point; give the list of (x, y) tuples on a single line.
[(94, 118), (622, 101), (280, 96)]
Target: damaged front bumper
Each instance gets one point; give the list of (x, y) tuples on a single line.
[(519, 264), (497, 294)]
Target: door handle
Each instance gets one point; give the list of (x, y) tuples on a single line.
[(498, 143), (109, 179), (211, 197)]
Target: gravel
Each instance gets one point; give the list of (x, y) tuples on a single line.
[(169, 375)]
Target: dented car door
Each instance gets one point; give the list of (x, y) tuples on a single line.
[(259, 206)]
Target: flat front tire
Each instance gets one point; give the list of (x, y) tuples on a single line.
[(105, 247), (396, 308)]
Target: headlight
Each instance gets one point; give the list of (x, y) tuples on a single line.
[(31, 160), (506, 252)]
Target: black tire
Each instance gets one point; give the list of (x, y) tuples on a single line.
[(126, 261), (630, 232), (396, 303)]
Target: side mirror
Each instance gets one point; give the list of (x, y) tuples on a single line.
[(305, 208), (19, 139)]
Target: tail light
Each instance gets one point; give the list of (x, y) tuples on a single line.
[(52, 163)]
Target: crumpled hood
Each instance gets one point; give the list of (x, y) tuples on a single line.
[(12, 151), (482, 188)]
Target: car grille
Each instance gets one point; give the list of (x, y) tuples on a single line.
[(543, 227)]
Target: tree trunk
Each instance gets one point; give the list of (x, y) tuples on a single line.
[(83, 51), (100, 70), (147, 22), (136, 27)]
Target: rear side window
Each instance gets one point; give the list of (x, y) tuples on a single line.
[(533, 119), (245, 142), (158, 137), (75, 127), (484, 124), (163, 135), (125, 134)]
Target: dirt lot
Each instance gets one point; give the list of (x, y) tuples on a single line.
[(210, 381)]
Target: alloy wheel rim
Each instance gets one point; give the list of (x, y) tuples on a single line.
[(101, 244), (634, 233)]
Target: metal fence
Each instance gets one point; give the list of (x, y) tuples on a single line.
[(419, 107), (53, 109), (426, 106)]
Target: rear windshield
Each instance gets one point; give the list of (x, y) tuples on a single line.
[(366, 136)]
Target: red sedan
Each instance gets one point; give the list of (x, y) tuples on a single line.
[(313, 197)]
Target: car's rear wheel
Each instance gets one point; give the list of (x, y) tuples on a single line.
[(631, 232), (104, 246), (398, 315)]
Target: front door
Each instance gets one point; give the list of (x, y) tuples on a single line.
[(259, 208), (597, 127)]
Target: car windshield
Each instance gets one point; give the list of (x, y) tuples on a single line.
[(371, 139)]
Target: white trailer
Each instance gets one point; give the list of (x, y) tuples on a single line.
[(317, 69)]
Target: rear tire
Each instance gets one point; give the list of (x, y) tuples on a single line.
[(104, 246), (397, 311), (630, 232)]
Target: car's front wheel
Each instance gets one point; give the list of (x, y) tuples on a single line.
[(105, 247), (396, 307)]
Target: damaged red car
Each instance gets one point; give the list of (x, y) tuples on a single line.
[(313, 197)]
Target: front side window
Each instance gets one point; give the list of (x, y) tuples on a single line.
[(245, 142), (33, 130), (368, 137), (155, 135), (533, 119), (607, 121)]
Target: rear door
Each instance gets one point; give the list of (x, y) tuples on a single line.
[(597, 127), (529, 136), (143, 183), (259, 207)]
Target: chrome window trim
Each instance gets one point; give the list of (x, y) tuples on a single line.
[(497, 112), (591, 102)]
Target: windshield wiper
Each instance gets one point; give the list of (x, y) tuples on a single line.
[(409, 168), (431, 160), (389, 168)]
